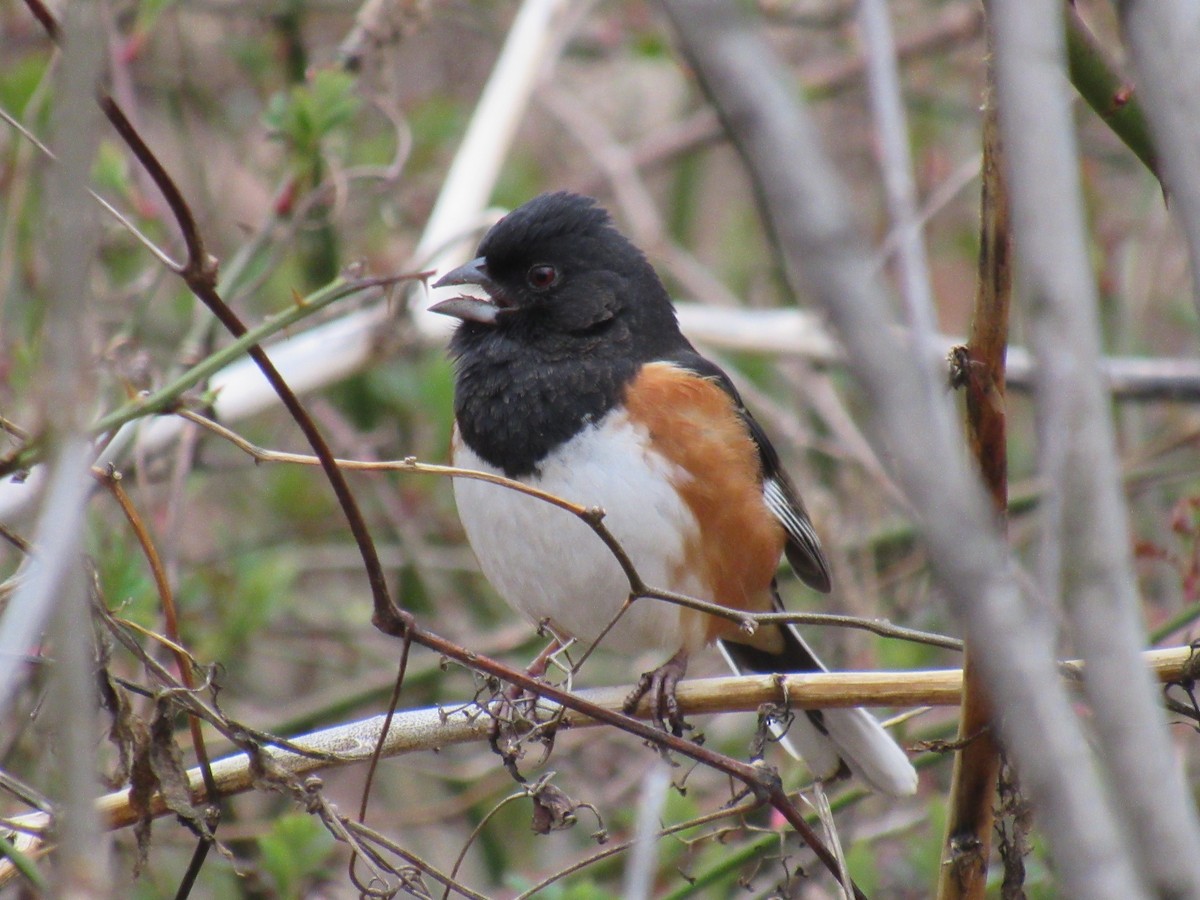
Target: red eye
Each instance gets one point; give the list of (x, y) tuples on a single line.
[(541, 277)]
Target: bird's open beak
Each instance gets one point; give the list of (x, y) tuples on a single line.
[(468, 308)]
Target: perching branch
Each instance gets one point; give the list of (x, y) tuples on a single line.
[(762, 784), (423, 730)]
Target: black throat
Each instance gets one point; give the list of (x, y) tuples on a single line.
[(519, 397)]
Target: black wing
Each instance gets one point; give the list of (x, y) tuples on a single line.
[(803, 547)]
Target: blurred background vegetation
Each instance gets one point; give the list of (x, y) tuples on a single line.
[(299, 169)]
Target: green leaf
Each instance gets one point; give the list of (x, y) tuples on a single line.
[(148, 13), (23, 864), (110, 171), (307, 114), (296, 849), (19, 78)]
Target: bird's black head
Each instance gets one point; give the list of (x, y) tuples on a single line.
[(559, 275), (573, 311)]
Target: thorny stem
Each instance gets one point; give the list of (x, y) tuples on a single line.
[(967, 842), (200, 274)]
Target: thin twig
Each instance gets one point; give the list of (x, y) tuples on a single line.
[(594, 518), (742, 808), (432, 728), (377, 754), (362, 831), (183, 662), (478, 830), (200, 274)]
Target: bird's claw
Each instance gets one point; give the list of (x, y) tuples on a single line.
[(659, 686)]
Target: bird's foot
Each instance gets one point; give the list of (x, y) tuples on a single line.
[(659, 686), (516, 719)]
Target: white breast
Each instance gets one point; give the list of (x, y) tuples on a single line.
[(550, 565)]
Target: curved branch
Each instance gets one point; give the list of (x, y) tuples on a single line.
[(593, 517)]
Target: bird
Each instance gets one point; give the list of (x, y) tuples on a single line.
[(571, 375)]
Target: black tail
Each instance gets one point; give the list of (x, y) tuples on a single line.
[(830, 741)]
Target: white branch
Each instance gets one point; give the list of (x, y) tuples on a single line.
[(434, 728), (803, 199), (1086, 535), (54, 590), (895, 163)]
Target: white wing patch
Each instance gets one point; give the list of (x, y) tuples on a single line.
[(798, 528)]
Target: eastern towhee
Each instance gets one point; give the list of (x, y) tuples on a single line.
[(573, 376)]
